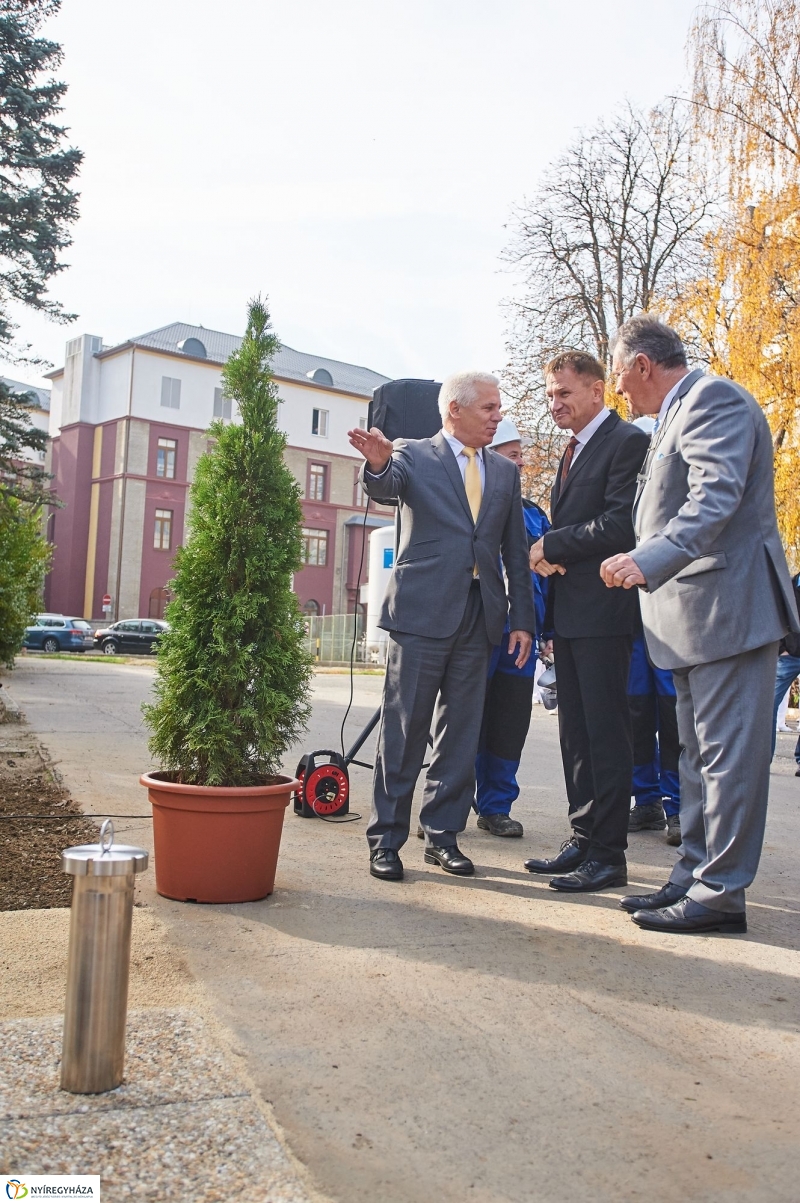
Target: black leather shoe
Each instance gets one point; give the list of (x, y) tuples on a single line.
[(653, 902), (387, 864), (690, 916), (570, 856), (451, 859), (500, 825), (590, 876)]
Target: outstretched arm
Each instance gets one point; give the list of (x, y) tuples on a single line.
[(374, 446), (385, 471)]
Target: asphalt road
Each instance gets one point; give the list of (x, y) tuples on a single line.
[(485, 1038)]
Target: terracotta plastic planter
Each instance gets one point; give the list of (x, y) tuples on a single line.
[(215, 844)]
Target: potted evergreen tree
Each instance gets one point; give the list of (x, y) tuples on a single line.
[(232, 676)]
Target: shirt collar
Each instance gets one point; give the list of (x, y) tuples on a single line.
[(597, 421), (670, 397), (456, 446)]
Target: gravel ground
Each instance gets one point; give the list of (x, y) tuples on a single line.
[(184, 1124)]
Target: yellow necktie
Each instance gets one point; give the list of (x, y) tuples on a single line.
[(472, 482)]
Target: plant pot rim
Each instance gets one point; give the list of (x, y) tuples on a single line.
[(283, 785)]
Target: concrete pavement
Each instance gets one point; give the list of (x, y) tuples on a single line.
[(479, 1038)]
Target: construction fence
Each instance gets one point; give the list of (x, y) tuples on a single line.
[(329, 638)]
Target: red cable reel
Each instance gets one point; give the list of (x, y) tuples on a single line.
[(324, 785)]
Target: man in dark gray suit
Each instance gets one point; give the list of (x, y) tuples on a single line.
[(716, 599), (460, 510)]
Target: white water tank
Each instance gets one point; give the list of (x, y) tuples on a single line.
[(381, 562)]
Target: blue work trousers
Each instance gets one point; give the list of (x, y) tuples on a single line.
[(656, 750), (788, 669), (506, 718)]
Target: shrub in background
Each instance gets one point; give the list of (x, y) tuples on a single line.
[(24, 560), (232, 678)]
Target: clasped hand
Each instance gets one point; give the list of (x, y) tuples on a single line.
[(540, 565), (621, 572)]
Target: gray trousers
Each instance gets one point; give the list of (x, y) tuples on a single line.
[(439, 680), (724, 725)]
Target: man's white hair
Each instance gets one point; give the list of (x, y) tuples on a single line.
[(463, 388)]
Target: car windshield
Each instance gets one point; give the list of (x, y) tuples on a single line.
[(81, 624)]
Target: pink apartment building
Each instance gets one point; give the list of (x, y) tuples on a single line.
[(128, 424)]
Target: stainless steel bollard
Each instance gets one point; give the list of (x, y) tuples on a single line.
[(93, 1050)]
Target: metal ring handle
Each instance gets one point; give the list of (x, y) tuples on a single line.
[(106, 836)]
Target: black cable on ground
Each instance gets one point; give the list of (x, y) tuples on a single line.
[(71, 818)]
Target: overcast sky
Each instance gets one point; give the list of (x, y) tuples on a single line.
[(355, 161)]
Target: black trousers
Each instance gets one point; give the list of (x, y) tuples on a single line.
[(594, 724)]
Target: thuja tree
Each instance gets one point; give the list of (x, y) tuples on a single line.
[(232, 680), (24, 560)]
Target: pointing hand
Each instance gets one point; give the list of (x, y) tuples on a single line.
[(374, 446)]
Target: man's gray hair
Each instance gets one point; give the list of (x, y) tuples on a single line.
[(647, 335), (463, 388)]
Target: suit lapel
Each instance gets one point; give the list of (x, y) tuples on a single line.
[(669, 417), (587, 452), (444, 451)]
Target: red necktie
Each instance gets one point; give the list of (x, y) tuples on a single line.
[(567, 461)]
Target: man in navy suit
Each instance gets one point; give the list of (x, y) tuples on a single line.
[(592, 503)]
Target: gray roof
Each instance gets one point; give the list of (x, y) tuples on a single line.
[(288, 363), (43, 394)]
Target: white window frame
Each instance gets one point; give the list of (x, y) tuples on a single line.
[(319, 423), (223, 406), (170, 392)]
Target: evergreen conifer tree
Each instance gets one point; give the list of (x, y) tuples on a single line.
[(37, 206), (20, 476), (232, 679)]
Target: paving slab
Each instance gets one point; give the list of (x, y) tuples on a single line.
[(482, 1038)]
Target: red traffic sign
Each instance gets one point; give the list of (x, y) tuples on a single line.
[(106, 599)]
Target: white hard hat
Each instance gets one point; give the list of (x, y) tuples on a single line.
[(506, 433), (645, 423)]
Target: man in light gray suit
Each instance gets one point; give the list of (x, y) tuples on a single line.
[(716, 599), (460, 510)]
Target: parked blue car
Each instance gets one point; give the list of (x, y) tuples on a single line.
[(56, 633)]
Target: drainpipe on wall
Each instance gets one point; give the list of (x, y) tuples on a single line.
[(124, 487)]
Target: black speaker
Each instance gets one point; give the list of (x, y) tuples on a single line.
[(406, 409)]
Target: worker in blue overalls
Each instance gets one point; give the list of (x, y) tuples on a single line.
[(509, 694)]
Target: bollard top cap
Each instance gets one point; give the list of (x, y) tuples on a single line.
[(105, 859)]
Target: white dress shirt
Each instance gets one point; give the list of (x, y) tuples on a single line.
[(584, 435), (462, 460)]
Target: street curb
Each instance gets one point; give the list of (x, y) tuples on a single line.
[(10, 711)]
